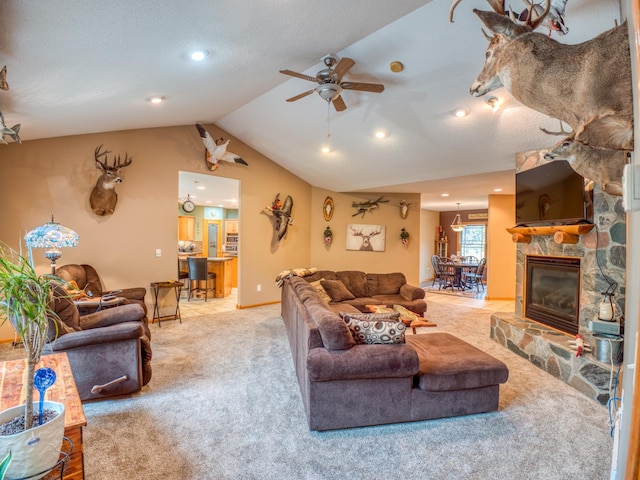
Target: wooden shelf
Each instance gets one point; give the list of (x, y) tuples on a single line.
[(561, 233)]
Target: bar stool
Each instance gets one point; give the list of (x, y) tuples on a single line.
[(198, 271)]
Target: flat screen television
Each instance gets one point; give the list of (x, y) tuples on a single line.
[(552, 194)]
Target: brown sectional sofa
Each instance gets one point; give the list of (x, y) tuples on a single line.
[(344, 384), (374, 289)]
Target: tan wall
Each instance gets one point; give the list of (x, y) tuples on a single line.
[(56, 176), (501, 251), (429, 222), (395, 258)]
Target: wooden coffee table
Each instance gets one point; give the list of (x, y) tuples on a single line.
[(413, 322), (63, 391)]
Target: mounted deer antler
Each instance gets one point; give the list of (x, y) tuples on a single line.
[(103, 197), (534, 15), (561, 132)]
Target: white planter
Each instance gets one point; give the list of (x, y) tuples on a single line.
[(36, 449)]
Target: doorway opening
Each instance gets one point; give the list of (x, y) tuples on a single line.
[(215, 217)]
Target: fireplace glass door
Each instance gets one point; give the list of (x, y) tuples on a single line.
[(553, 292)]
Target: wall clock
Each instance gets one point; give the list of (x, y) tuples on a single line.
[(188, 206)]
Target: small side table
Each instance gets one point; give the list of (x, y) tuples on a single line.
[(177, 288)]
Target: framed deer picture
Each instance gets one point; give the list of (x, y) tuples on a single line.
[(365, 238)]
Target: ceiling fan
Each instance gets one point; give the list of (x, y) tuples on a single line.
[(330, 84)]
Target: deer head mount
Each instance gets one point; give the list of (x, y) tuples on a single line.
[(536, 70), (103, 197)]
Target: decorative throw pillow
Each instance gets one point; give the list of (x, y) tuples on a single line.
[(321, 291), (336, 290), (370, 332)]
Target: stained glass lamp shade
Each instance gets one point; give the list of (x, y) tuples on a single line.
[(53, 237)]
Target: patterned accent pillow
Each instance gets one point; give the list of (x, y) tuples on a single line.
[(336, 290), (380, 331), (321, 291)]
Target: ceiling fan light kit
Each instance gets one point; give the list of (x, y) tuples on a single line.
[(330, 84)]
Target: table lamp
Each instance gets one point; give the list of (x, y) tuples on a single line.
[(53, 237)]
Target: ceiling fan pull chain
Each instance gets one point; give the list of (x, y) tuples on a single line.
[(328, 119)]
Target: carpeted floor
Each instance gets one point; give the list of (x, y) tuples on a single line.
[(224, 403)]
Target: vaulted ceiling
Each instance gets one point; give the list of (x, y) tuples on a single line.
[(79, 67)]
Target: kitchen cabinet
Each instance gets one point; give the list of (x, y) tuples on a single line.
[(231, 237), (186, 227)]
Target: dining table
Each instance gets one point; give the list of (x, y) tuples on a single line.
[(458, 269)]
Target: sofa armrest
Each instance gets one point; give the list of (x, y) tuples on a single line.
[(362, 361), (134, 293), (110, 316), (114, 333), (411, 292)]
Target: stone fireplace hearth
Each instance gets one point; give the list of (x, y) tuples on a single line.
[(601, 256)]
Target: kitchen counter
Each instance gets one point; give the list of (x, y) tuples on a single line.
[(223, 267)]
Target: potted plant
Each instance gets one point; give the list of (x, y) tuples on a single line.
[(25, 301), (404, 236)]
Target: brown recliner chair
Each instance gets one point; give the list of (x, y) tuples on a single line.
[(109, 351), (88, 280)]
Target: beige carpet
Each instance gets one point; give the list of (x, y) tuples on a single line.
[(223, 403)]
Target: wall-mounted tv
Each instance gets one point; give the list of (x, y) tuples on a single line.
[(552, 194)]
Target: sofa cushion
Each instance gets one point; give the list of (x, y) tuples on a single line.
[(321, 291), (411, 292), (385, 283), (355, 281), (333, 330), (376, 328), (336, 290), (449, 363)]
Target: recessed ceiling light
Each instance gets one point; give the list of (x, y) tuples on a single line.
[(380, 134), (497, 189), (199, 55), (444, 195), (494, 103), (460, 112), (157, 99), (325, 149), (201, 187)]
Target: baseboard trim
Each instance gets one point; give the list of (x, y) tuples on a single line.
[(242, 307)]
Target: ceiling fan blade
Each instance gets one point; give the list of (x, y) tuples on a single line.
[(299, 75), (343, 66), (339, 104), (302, 95), (363, 87)]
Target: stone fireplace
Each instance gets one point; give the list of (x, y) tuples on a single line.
[(565, 283)]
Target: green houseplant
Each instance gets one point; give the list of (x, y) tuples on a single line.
[(25, 301)]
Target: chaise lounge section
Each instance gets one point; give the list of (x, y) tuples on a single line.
[(345, 385)]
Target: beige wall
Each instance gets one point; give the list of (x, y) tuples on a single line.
[(395, 258), (501, 251), (429, 222), (56, 176)]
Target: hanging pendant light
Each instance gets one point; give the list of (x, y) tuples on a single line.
[(457, 225)]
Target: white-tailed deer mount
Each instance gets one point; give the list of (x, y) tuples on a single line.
[(103, 196), (587, 86)]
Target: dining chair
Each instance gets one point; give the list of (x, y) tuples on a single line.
[(476, 277), (435, 262), (199, 271), (447, 275)]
